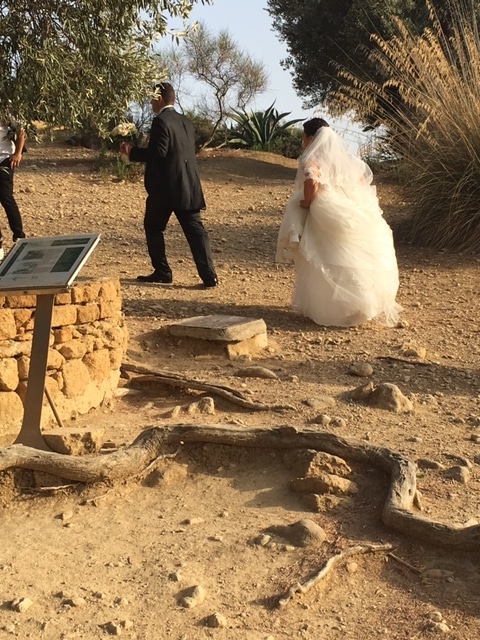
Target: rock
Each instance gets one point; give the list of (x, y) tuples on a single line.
[(308, 462), (324, 483), (76, 601), (192, 597), (321, 503), (362, 393), (415, 352), (338, 422), (114, 628), (426, 463), (193, 521), (322, 419), (361, 369), (304, 533), (388, 396), (216, 621), (255, 372), (75, 442), (205, 406), (320, 402), (459, 474), (262, 540), (21, 604)]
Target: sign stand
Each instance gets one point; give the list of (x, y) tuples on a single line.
[(30, 434), (42, 267)]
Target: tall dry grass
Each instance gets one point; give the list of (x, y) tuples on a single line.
[(429, 106)]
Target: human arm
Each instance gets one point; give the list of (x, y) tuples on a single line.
[(16, 157), (310, 188)]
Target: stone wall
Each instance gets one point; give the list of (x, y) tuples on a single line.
[(88, 340)]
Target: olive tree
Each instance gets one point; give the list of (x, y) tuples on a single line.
[(79, 63)]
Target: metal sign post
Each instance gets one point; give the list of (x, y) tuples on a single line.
[(42, 267)]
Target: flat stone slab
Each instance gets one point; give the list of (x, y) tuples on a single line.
[(219, 328)]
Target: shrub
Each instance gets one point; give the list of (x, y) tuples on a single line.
[(429, 106)]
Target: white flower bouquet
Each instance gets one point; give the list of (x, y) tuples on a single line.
[(124, 130)]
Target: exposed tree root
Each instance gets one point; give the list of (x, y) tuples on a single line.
[(177, 380), (397, 511), (332, 562)]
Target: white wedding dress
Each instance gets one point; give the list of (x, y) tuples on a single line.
[(345, 264)]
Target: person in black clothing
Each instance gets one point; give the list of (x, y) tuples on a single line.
[(173, 186), (12, 141)]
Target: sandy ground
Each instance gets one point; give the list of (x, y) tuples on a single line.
[(117, 559)]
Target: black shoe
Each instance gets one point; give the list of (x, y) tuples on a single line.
[(155, 277), (208, 284)]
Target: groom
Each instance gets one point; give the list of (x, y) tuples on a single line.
[(173, 186)]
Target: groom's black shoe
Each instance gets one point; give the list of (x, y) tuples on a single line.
[(208, 284), (155, 277)]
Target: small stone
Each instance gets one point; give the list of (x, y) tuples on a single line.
[(262, 540), (76, 601), (459, 474), (193, 596), (216, 621), (193, 521), (352, 567), (435, 616), (303, 533), (21, 604), (113, 628), (255, 372), (127, 624), (361, 369), (175, 576)]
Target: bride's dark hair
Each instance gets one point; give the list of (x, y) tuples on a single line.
[(310, 127)]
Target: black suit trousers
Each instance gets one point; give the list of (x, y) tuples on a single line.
[(8, 201), (157, 215)]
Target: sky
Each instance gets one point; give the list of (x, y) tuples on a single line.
[(250, 27)]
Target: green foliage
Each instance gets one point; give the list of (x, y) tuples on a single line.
[(259, 129), (204, 127), (430, 109), (230, 77), (288, 143), (321, 32), (111, 165), (78, 64)]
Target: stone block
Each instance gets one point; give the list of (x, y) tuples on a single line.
[(75, 442), (87, 313), (73, 349), (11, 410), (8, 328), (83, 293), (75, 378), (218, 328), (21, 301), (64, 315), (110, 308), (8, 374), (98, 364)]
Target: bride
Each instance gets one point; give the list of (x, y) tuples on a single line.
[(334, 230)]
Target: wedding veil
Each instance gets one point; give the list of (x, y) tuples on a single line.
[(329, 161)]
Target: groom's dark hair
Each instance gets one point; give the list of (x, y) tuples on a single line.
[(310, 127), (165, 90)]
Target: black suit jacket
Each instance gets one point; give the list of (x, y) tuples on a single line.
[(171, 173)]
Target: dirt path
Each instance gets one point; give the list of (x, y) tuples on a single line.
[(111, 560)]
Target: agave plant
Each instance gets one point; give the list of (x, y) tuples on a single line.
[(259, 129)]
